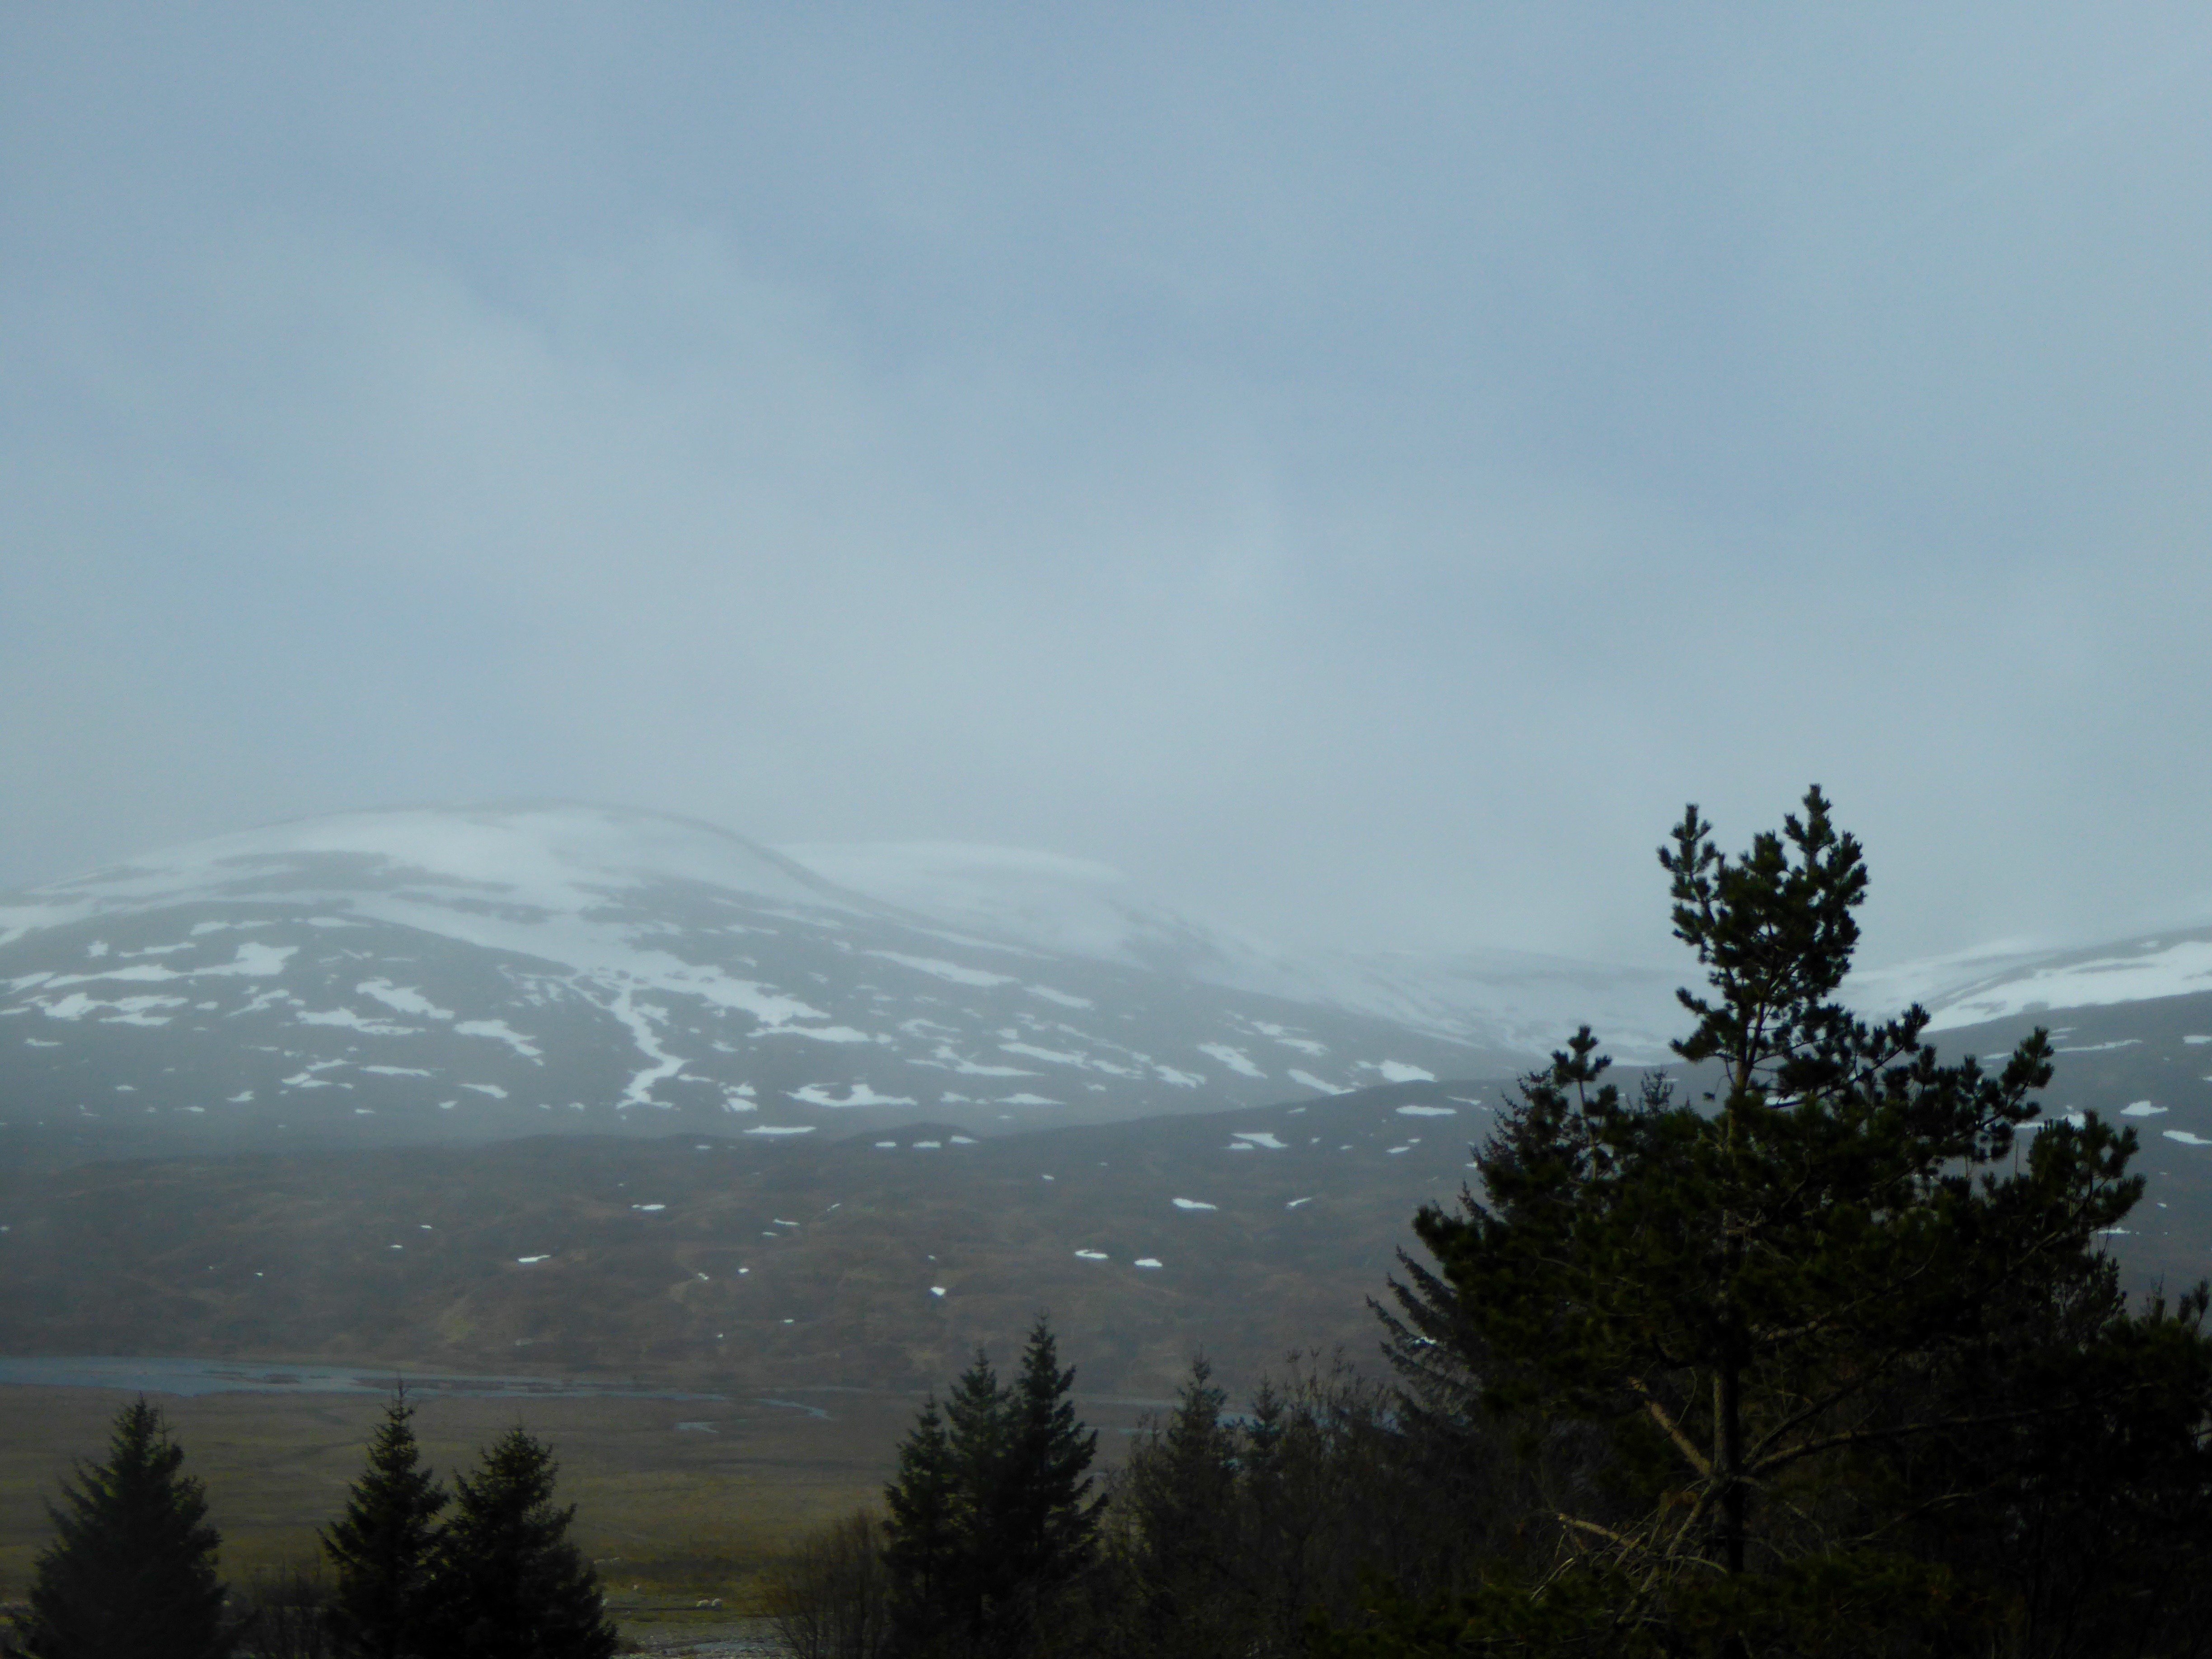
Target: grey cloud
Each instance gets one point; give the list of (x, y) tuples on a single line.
[(1358, 472)]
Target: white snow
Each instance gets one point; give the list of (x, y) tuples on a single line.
[(499, 1030), (1146, 1261), (937, 1290), (1307, 1080), (1194, 1204), (253, 961), (2142, 1109), (1093, 1255), (2185, 1137), (781, 1129), (1235, 1059), (1259, 1138), (952, 972), (402, 1000), (2197, 1039), (649, 1208), (1397, 1071), (1028, 1100), (1427, 1111), (640, 1017), (1060, 997), (856, 1094), (353, 1022), (1295, 1202), (2152, 969), (491, 1089)]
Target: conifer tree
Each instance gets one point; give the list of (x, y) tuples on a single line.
[(132, 1571), (1040, 1528), (1179, 1501), (991, 1515), (385, 1545), (926, 1553), (508, 1583)]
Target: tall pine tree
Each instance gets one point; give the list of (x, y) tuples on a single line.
[(385, 1545), (507, 1582), (132, 1571)]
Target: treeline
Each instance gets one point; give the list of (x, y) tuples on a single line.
[(1831, 1361), (487, 1571)]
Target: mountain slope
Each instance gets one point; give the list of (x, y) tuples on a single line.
[(463, 976)]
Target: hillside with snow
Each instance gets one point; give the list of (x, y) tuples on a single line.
[(466, 974)]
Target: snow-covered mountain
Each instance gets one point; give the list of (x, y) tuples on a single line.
[(465, 974)]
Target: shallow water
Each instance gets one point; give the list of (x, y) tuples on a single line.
[(189, 1378)]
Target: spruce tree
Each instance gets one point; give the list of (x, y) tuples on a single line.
[(385, 1545), (1041, 1529), (132, 1571), (507, 1582), (1179, 1501), (991, 1515), (925, 1554)]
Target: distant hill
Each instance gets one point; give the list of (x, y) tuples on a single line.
[(877, 1261), (462, 976)]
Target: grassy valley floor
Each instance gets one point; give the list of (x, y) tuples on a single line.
[(677, 1501)]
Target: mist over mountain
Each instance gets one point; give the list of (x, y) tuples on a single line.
[(473, 974), (463, 974)]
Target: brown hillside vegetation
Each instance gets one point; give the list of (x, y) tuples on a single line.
[(878, 1262)]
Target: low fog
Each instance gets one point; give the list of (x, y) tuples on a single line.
[(1357, 472)]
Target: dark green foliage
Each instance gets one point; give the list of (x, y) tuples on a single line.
[(1829, 1362), (507, 1584), (1227, 1535), (1178, 1520), (132, 1571), (927, 1551), (992, 1521), (385, 1545)]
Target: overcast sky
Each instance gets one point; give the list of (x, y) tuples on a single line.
[(1360, 470)]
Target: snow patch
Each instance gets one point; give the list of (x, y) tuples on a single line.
[(402, 1000), (856, 1094), (1235, 1059), (1397, 1071), (952, 972), (498, 1031)]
